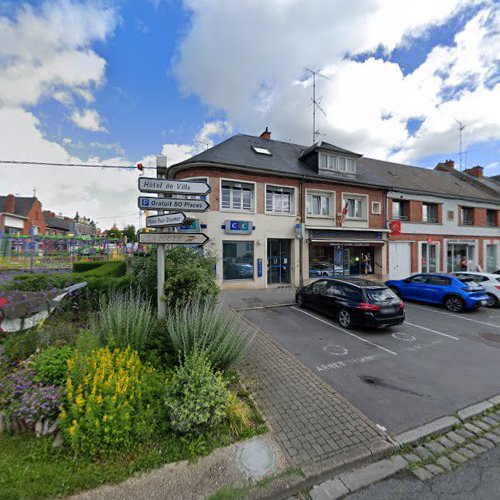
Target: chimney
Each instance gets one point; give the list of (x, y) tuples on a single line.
[(476, 171), (266, 134), (445, 166), (10, 203)]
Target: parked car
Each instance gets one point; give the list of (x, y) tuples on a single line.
[(455, 294), (490, 282), (353, 301)]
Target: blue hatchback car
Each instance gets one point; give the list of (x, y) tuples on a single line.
[(456, 294)]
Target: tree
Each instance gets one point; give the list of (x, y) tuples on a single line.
[(130, 232)]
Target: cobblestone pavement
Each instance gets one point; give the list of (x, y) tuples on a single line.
[(311, 421)]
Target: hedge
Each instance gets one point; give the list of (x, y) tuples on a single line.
[(81, 267)]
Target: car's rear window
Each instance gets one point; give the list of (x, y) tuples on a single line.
[(470, 282), (379, 294)]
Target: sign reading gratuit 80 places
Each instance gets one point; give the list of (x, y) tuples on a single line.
[(184, 205), (151, 185)]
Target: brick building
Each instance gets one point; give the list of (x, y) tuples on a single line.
[(282, 213), (19, 214)]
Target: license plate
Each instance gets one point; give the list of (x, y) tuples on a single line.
[(484, 302), (387, 310)]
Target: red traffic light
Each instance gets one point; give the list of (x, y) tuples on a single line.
[(140, 167)]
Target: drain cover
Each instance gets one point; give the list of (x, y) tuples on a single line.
[(494, 337), (255, 458)]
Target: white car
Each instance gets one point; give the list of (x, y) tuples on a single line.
[(490, 282)]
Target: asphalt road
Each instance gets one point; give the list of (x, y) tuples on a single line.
[(400, 377), (478, 480)]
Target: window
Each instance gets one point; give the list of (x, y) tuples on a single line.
[(280, 200), (429, 213), (355, 207), (418, 280), (491, 218), (337, 163), (399, 210), (438, 280), (376, 207), (237, 260), (319, 287), (261, 151), (319, 204), (467, 215), (451, 214), (237, 196)]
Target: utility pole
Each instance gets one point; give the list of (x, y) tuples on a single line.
[(461, 127), (161, 162)]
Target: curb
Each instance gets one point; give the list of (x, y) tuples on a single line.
[(258, 308), (348, 482)]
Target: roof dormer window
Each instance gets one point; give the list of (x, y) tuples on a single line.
[(336, 163), (261, 151)]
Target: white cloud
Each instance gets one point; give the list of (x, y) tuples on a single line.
[(259, 77), (88, 119)]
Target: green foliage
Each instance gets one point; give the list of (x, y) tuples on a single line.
[(130, 232), (51, 365), (113, 268), (38, 282), (196, 397), (124, 319), (143, 271), (98, 286), (209, 327), (111, 402), (189, 275), (82, 267), (238, 413)]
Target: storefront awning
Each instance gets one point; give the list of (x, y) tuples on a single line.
[(356, 243)]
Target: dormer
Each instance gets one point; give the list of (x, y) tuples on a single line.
[(331, 160)]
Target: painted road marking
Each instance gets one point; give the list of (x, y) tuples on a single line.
[(456, 316), (353, 361), (345, 331), (431, 330), (405, 337), (336, 350)]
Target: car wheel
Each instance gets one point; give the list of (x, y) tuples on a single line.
[(454, 304), (345, 319), (396, 291), (492, 301), (300, 301)]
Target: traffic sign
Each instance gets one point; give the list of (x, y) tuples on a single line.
[(173, 186), (171, 219), (186, 205), (173, 238)]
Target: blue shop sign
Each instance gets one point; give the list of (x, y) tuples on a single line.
[(238, 227)]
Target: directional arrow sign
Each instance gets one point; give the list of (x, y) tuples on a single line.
[(173, 238), (151, 185), (172, 219), (147, 203)]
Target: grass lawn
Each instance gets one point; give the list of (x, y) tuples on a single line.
[(30, 468)]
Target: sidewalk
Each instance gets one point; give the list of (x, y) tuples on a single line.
[(319, 430)]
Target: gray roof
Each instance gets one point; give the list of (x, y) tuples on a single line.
[(328, 147), (21, 205), (285, 159), (57, 223)]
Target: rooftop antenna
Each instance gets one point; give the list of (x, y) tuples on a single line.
[(316, 102), (461, 127), (34, 192)]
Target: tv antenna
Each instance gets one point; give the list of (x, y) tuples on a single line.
[(461, 127), (316, 102)]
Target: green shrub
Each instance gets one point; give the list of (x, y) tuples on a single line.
[(112, 402), (196, 397), (81, 267), (114, 269), (38, 282), (124, 319), (238, 414), (209, 327), (51, 365), (97, 286)]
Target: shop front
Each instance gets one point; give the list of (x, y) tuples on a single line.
[(345, 253), (461, 255)]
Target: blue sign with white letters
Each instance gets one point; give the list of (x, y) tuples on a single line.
[(259, 268), (238, 227)]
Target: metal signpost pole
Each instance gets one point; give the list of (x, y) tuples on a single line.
[(161, 161)]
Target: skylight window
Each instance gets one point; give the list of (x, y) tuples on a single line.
[(261, 151)]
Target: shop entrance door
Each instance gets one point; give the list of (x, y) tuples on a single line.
[(278, 262)]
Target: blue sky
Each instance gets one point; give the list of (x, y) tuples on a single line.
[(120, 81)]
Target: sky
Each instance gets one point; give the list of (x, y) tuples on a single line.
[(120, 81)]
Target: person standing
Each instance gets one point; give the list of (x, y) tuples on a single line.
[(463, 263)]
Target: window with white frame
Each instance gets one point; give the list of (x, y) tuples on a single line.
[(280, 200), (376, 207), (356, 206), (237, 196), (337, 163), (320, 204)]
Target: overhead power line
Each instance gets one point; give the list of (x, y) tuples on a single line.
[(85, 165)]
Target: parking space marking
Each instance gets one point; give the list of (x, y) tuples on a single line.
[(431, 330), (345, 331), (454, 316), (405, 337), (335, 350)]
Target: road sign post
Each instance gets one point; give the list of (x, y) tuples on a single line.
[(172, 186), (171, 219), (177, 204), (172, 238)]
